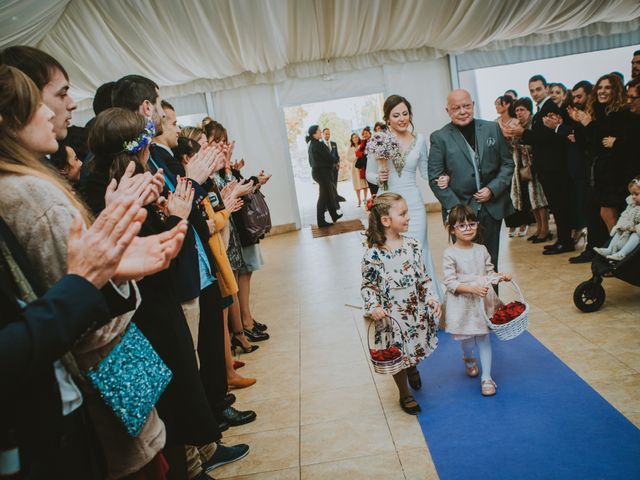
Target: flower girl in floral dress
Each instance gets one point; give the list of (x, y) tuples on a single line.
[(467, 275), (395, 285)]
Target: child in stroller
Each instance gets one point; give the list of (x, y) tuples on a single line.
[(625, 233)]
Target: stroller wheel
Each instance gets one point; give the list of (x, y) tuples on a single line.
[(589, 296)]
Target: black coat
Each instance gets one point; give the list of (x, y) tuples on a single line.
[(31, 339), (183, 406), (319, 155), (549, 149)]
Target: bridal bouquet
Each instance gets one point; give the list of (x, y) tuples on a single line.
[(383, 147)]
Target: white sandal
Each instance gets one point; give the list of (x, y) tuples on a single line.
[(488, 388)]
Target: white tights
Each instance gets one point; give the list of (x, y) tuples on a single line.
[(484, 350)]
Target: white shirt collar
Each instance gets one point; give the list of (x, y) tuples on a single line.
[(163, 146), (543, 102)]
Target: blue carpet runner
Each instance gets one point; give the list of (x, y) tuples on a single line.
[(544, 423)]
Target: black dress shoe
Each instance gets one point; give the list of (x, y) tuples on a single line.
[(585, 257), (559, 248), (337, 217), (542, 239), (255, 335), (553, 245), (235, 417), (229, 399), (223, 425), (260, 326), (341, 198)]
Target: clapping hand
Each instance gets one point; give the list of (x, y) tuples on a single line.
[(238, 165), (515, 131), (241, 189), (143, 185), (202, 164), (579, 116), (181, 201), (96, 252), (607, 142), (552, 121), (149, 255), (263, 177)]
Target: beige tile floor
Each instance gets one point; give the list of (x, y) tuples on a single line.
[(323, 413)]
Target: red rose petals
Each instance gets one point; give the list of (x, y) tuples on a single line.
[(508, 312), (386, 354)]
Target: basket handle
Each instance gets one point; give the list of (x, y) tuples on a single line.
[(514, 286), (393, 320)]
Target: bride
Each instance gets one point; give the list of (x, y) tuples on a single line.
[(401, 177)]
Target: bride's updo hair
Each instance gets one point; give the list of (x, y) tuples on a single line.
[(392, 102), (379, 208)]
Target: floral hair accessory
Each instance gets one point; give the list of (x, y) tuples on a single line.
[(142, 140), (369, 204)]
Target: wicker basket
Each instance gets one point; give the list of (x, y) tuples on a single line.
[(516, 326), (389, 367)]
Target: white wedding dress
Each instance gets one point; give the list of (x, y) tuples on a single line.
[(405, 185)]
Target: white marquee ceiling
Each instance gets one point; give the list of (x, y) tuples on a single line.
[(192, 46)]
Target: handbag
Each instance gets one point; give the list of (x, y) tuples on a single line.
[(130, 379), (361, 162), (255, 218), (526, 175)]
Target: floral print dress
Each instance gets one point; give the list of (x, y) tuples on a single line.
[(397, 282)]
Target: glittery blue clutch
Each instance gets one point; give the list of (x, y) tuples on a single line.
[(131, 379)]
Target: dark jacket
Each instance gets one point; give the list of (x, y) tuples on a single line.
[(549, 149), (319, 155), (197, 218), (31, 339)]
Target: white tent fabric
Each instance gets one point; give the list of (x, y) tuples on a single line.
[(261, 55), (204, 45)]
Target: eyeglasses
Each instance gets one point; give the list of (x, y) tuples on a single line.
[(463, 227)]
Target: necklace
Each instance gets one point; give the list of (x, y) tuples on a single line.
[(401, 158)]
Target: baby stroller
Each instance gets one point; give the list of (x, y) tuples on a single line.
[(589, 296)]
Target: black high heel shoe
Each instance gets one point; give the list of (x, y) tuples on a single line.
[(259, 326), (255, 335), (235, 343)]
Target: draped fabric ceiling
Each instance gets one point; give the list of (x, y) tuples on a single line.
[(194, 46)]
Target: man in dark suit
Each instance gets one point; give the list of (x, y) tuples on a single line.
[(474, 154), (550, 161), (333, 149)]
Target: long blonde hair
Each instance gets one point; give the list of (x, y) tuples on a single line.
[(375, 233), (19, 103)]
